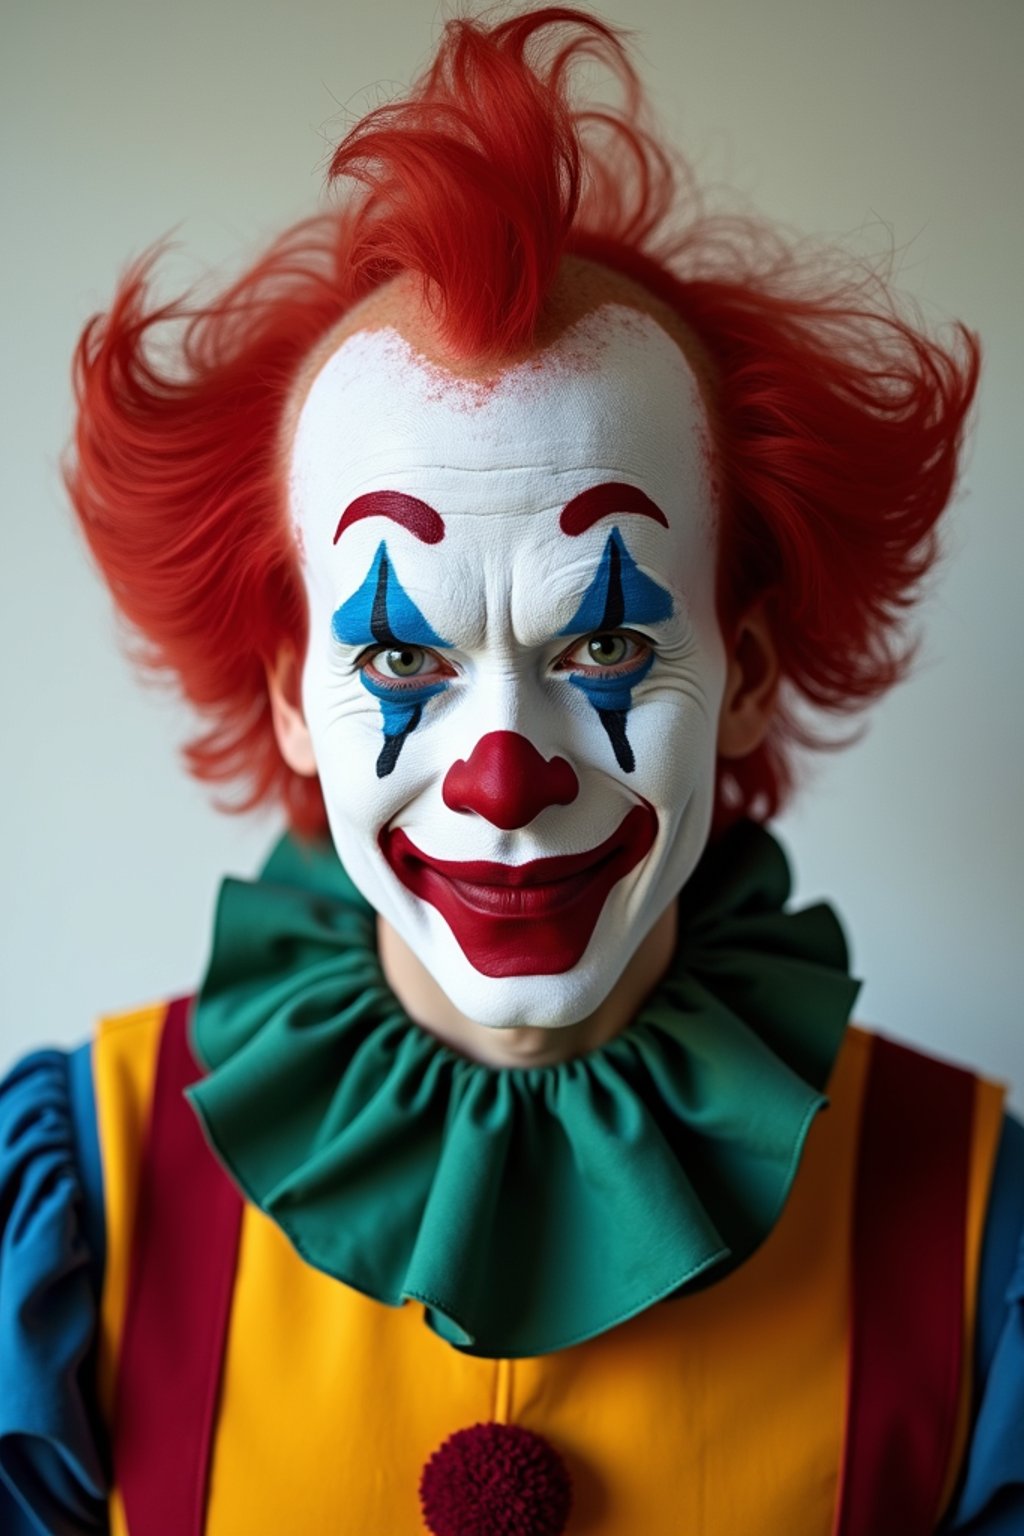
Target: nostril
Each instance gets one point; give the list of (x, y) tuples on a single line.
[(508, 782)]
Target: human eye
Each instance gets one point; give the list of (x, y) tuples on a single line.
[(606, 653), (396, 667)]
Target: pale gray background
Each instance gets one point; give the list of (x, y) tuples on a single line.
[(122, 121)]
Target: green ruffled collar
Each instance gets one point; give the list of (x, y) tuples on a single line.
[(527, 1208)]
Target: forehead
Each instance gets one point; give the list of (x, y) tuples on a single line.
[(612, 400)]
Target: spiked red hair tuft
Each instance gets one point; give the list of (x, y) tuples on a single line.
[(838, 421)]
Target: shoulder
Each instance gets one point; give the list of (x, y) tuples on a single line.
[(50, 1174), (51, 1265), (72, 1124), (914, 1108), (124, 1061)]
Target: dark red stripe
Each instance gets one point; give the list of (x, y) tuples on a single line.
[(613, 499), (908, 1292), (408, 511), (179, 1301)]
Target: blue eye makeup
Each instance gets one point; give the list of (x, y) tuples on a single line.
[(382, 613), (620, 595)]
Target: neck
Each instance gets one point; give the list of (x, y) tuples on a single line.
[(426, 1004)]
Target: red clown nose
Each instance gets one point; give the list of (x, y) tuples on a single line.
[(507, 782)]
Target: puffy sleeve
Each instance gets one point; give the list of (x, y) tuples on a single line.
[(991, 1498), (53, 1463)]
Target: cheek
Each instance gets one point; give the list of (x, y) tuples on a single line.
[(673, 732), (345, 726)]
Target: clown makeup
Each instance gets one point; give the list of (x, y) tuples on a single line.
[(514, 668)]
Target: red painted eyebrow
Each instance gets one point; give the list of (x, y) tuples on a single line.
[(407, 511), (610, 499)]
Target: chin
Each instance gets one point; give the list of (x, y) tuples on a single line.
[(529, 1002), (523, 997)]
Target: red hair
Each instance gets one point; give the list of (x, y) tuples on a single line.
[(838, 422)]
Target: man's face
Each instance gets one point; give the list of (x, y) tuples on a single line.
[(514, 668)]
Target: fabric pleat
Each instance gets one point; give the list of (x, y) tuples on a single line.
[(49, 1282), (527, 1208)]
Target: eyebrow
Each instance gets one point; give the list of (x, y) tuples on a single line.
[(611, 499), (407, 511)]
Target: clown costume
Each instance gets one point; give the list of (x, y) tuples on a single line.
[(515, 1167)]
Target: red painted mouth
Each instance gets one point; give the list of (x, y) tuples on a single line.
[(532, 919)]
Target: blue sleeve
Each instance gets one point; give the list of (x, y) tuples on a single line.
[(991, 1496), (53, 1464)]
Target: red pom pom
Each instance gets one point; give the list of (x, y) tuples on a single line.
[(495, 1480)]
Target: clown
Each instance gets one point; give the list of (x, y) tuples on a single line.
[(516, 1167), (514, 705)]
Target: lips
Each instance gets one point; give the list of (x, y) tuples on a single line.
[(532, 919)]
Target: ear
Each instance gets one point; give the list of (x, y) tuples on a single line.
[(284, 685), (751, 685)]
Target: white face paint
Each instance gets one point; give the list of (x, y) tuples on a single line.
[(518, 797)]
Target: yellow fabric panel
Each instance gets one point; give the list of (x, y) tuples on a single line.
[(988, 1124), (332, 1402), (124, 1055), (721, 1413)]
